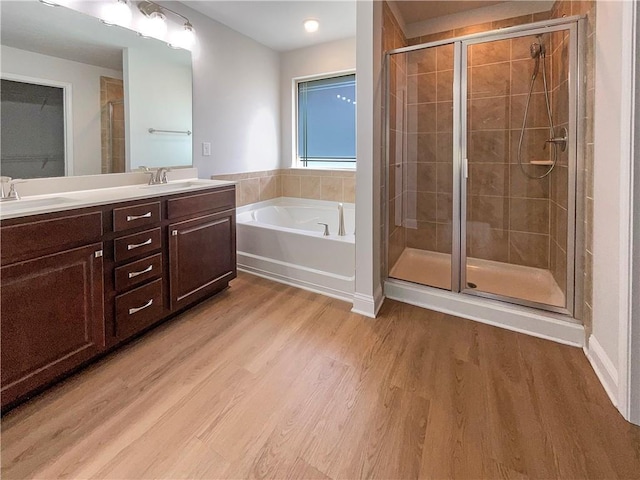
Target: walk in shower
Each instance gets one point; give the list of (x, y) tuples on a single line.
[(481, 164)]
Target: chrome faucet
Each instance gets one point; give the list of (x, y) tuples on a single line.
[(157, 176), (150, 172), (161, 175), (341, 230), (12, 194), (326, 229)]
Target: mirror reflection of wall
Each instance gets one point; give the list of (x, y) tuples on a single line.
[(32, 130), (64, 46)]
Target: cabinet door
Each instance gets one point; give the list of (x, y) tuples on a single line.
[(202, 256), (52, 317)]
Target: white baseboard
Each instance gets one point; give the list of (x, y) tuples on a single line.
[(545, 325), (324, 283), (368, 305), (603, 366)]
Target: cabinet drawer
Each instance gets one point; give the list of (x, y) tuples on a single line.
[(138, 272), (204, 202), (136, 244), (138, 308), (28, 240), (134, 216)]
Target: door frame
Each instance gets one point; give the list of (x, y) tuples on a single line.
[(68, 112)]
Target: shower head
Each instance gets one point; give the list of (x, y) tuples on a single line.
[(537, 50)]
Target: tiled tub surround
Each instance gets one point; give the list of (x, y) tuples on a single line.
[(330, 185)]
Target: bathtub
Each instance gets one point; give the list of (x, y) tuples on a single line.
[(280, 239)]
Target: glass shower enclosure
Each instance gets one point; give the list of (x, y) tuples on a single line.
[(481, 164)]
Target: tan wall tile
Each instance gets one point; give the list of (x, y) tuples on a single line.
[(331, 188), (291, 186), (349, 190), (268, 188), (310, 187), (249, 191)]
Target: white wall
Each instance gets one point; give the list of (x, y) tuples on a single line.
[(608, 347), (236, 104), (634, 378), (367, 297), (330, 57), (85, 81), (157, 95)]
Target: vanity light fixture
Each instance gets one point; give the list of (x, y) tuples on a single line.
[(311, 25), (117, 12), (184, 38), (154, 25)]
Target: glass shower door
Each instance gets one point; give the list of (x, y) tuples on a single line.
[(420, 153), (518, 180)]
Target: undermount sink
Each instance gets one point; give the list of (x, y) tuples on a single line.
[(25, 204), (163, 187)]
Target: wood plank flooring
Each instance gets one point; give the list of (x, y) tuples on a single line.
[(268, 381)]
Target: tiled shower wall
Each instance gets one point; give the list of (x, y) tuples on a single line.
[(428, 160), (112, 89), (332, 185), (507, 212)]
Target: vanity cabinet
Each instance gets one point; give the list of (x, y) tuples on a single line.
[(202, 245), (77, 284), (202, 257), (51, 300)]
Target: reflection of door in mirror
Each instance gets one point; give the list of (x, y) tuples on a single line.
[(112, 124), (32, 141)]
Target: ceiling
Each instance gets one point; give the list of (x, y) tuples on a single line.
[(278, 24)]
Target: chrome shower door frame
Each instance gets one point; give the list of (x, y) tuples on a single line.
[(570, 24), (575, 241)]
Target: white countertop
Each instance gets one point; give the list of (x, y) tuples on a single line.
[(69, 200)]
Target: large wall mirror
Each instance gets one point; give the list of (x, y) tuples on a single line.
[(81, 98)]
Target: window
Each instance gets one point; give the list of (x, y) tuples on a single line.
[(327, 122)]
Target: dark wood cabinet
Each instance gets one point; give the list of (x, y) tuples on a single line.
[(202, 257), (51, 317), (77, 284)]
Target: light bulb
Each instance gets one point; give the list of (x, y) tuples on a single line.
[(311, 25), (117, 13), (184, 38), (153, 25)]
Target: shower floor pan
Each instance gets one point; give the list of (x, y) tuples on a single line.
[(516, 281)]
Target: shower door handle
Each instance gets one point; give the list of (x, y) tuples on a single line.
[(465, 168)]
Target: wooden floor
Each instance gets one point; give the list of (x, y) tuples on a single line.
[(269, 381)]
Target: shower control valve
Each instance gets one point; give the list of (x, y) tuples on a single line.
[(562, 141)]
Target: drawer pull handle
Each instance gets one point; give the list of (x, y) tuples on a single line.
[(134, 310), (137, 245), (146, 270), (137, 217)]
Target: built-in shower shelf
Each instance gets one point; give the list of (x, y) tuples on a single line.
[(541, 162)]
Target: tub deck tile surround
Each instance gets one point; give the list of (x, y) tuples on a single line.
[(333, 185), (271, 381)]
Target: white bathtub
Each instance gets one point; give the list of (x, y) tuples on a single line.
[(280, 239)]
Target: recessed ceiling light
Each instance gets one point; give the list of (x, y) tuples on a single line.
[(311, 25)]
